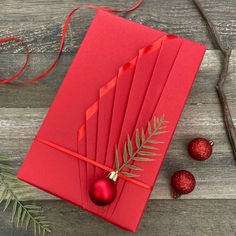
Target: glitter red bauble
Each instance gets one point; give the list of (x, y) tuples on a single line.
[(200, 149), (103, 191), (183, 182)]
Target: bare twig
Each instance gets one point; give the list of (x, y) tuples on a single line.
[(230, 128)]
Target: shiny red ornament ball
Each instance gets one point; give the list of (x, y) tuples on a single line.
[(103, 191), (200, 149), (183, 182)]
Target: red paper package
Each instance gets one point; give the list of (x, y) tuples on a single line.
[(133, 74)]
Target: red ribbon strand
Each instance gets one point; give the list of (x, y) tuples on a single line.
[(19, 41), (64, 30), (90, 161)]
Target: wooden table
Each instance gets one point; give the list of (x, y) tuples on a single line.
[(211, 208)]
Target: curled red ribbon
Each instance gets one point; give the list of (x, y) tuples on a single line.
[(64, 30)]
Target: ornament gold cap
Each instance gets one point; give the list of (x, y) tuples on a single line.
[(113, 176), (211, 143)]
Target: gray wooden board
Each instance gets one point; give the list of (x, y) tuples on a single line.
[(164, 218), (39, 22), (22, 110)]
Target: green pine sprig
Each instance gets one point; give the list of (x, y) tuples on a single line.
[(22, 212), (144, 148)]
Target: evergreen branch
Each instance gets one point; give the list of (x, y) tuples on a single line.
[(22, 213), (142, 145)]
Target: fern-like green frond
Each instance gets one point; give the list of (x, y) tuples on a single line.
[(22, 213), (144, 146), (117, 159)]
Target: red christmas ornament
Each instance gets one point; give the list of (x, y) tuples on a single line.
[(182, 182), (103, 191), (200, 149)]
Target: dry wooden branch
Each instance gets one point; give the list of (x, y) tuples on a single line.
[(230, 128)]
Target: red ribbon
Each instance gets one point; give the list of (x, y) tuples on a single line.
[(90, 161), (64, 30), (19, 41)]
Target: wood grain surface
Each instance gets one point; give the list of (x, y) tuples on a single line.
[(165, 218), (22, 110)]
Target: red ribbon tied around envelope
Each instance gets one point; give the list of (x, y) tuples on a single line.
[(104, 90)]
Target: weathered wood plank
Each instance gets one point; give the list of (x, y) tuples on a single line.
[(216, 177), (164, 217), (39, 23), (42, 93)]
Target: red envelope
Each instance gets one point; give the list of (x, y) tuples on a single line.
[(157, 84)]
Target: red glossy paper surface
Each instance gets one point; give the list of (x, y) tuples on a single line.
[(158, 85)]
